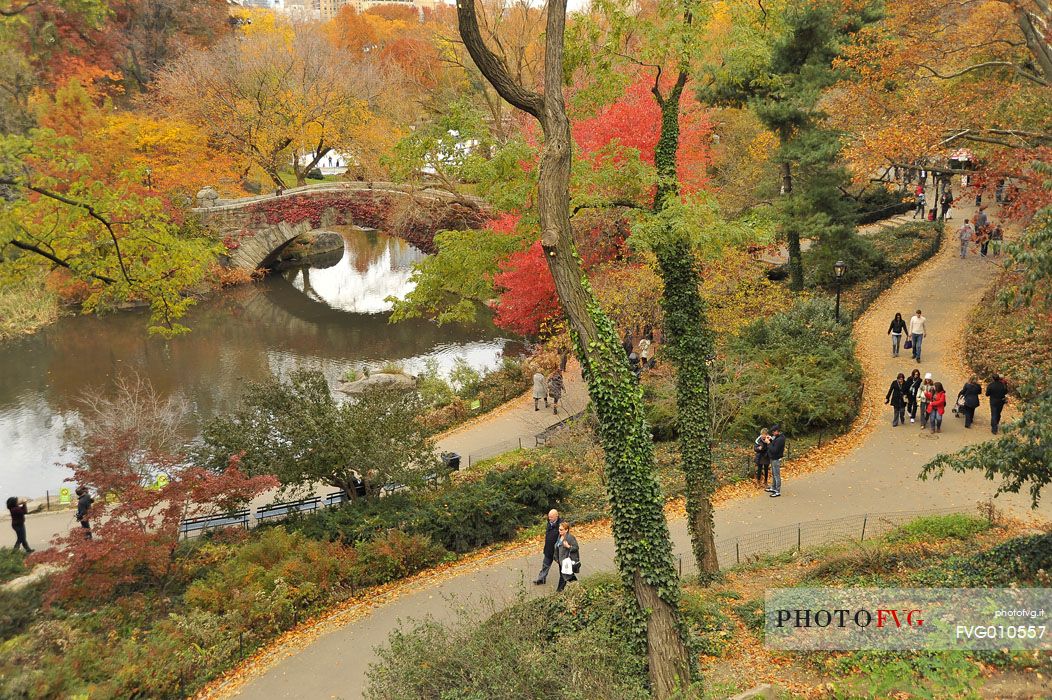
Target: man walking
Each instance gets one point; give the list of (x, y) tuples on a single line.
[(965, 233), (918, 331), (947, 202), (551, 536), (776, 451), (997, 392), (84, 503)]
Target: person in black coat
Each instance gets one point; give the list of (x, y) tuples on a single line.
[(997, 392), (969, 396), (896, 396), (19, 510), (84, 502), (776, 451), (913, 387), (551, 536)]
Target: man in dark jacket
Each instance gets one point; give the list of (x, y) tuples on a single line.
[(969, 396), (997, 391), (776, 451), (551, 536), (84, 501)]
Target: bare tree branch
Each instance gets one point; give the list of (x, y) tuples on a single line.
[(492, 66)]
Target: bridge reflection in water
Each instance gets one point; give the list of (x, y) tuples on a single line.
[(332, 319)]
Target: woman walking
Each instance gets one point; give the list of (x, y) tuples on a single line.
[(896, 329), (969, 400), (937, 407), (19, 510), (568, 549), (997, 237), (763, 458), (924, 395), (913, 387), (555, 389), (540, 390), (896, 396)]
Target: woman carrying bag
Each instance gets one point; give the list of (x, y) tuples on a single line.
[(569, 556)]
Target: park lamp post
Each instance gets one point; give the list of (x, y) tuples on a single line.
[(839, 268)]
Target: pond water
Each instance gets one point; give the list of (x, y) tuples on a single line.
[(332, 319)]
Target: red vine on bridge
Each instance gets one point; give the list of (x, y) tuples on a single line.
[(414, 221)]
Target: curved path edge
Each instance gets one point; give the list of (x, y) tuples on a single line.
[(872, 468)]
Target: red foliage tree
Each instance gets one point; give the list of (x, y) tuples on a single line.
[(528, 296), (127, 444), (634, 120)]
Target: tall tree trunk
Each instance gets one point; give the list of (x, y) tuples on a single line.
[(689, 339), (792, 234), (644, 547)]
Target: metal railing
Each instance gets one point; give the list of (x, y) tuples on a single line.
[(813, 533)]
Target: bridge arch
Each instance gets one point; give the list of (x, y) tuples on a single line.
[(254, 229)]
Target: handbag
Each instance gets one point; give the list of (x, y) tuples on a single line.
[(908, 345), (567, 566)]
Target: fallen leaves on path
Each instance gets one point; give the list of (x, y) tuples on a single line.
[(867, 329)]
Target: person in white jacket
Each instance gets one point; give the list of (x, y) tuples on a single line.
[(540, 390), (918, 331)]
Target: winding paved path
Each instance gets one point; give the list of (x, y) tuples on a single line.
[(878, 475)]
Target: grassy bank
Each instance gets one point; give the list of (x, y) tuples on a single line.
[(25, 307)]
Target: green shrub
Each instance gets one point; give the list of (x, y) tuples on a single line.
[(946, 674), (460, 515), (1016, 561), (392, 556), (709, 627), (939, 527), (12, 564), (19, 608), (576, 645), (800, 371), (751, 612), (269, 579)]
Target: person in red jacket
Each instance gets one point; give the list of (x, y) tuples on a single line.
[(937, 407)]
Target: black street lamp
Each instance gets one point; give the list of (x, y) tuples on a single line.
[(839, 268)]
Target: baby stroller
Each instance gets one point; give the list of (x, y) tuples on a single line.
[(957, 407)]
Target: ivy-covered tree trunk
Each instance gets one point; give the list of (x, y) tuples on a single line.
[(689, 341), (641, 536)]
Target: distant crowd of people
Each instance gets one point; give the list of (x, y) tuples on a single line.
[(926, 398), (981, 235)]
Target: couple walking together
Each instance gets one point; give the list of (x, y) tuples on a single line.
[(543, 388), (770, 451), (916, 330), (558, 540)]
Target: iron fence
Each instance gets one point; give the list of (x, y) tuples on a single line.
[(803, 535)]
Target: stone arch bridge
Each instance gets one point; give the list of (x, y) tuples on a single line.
[(255, 229)]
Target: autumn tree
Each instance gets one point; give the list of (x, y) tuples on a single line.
[(78, 203), (977, 74), (134, 461), (644, 552), (297, 431), (779, 68), (147, 34), (280, 102)]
